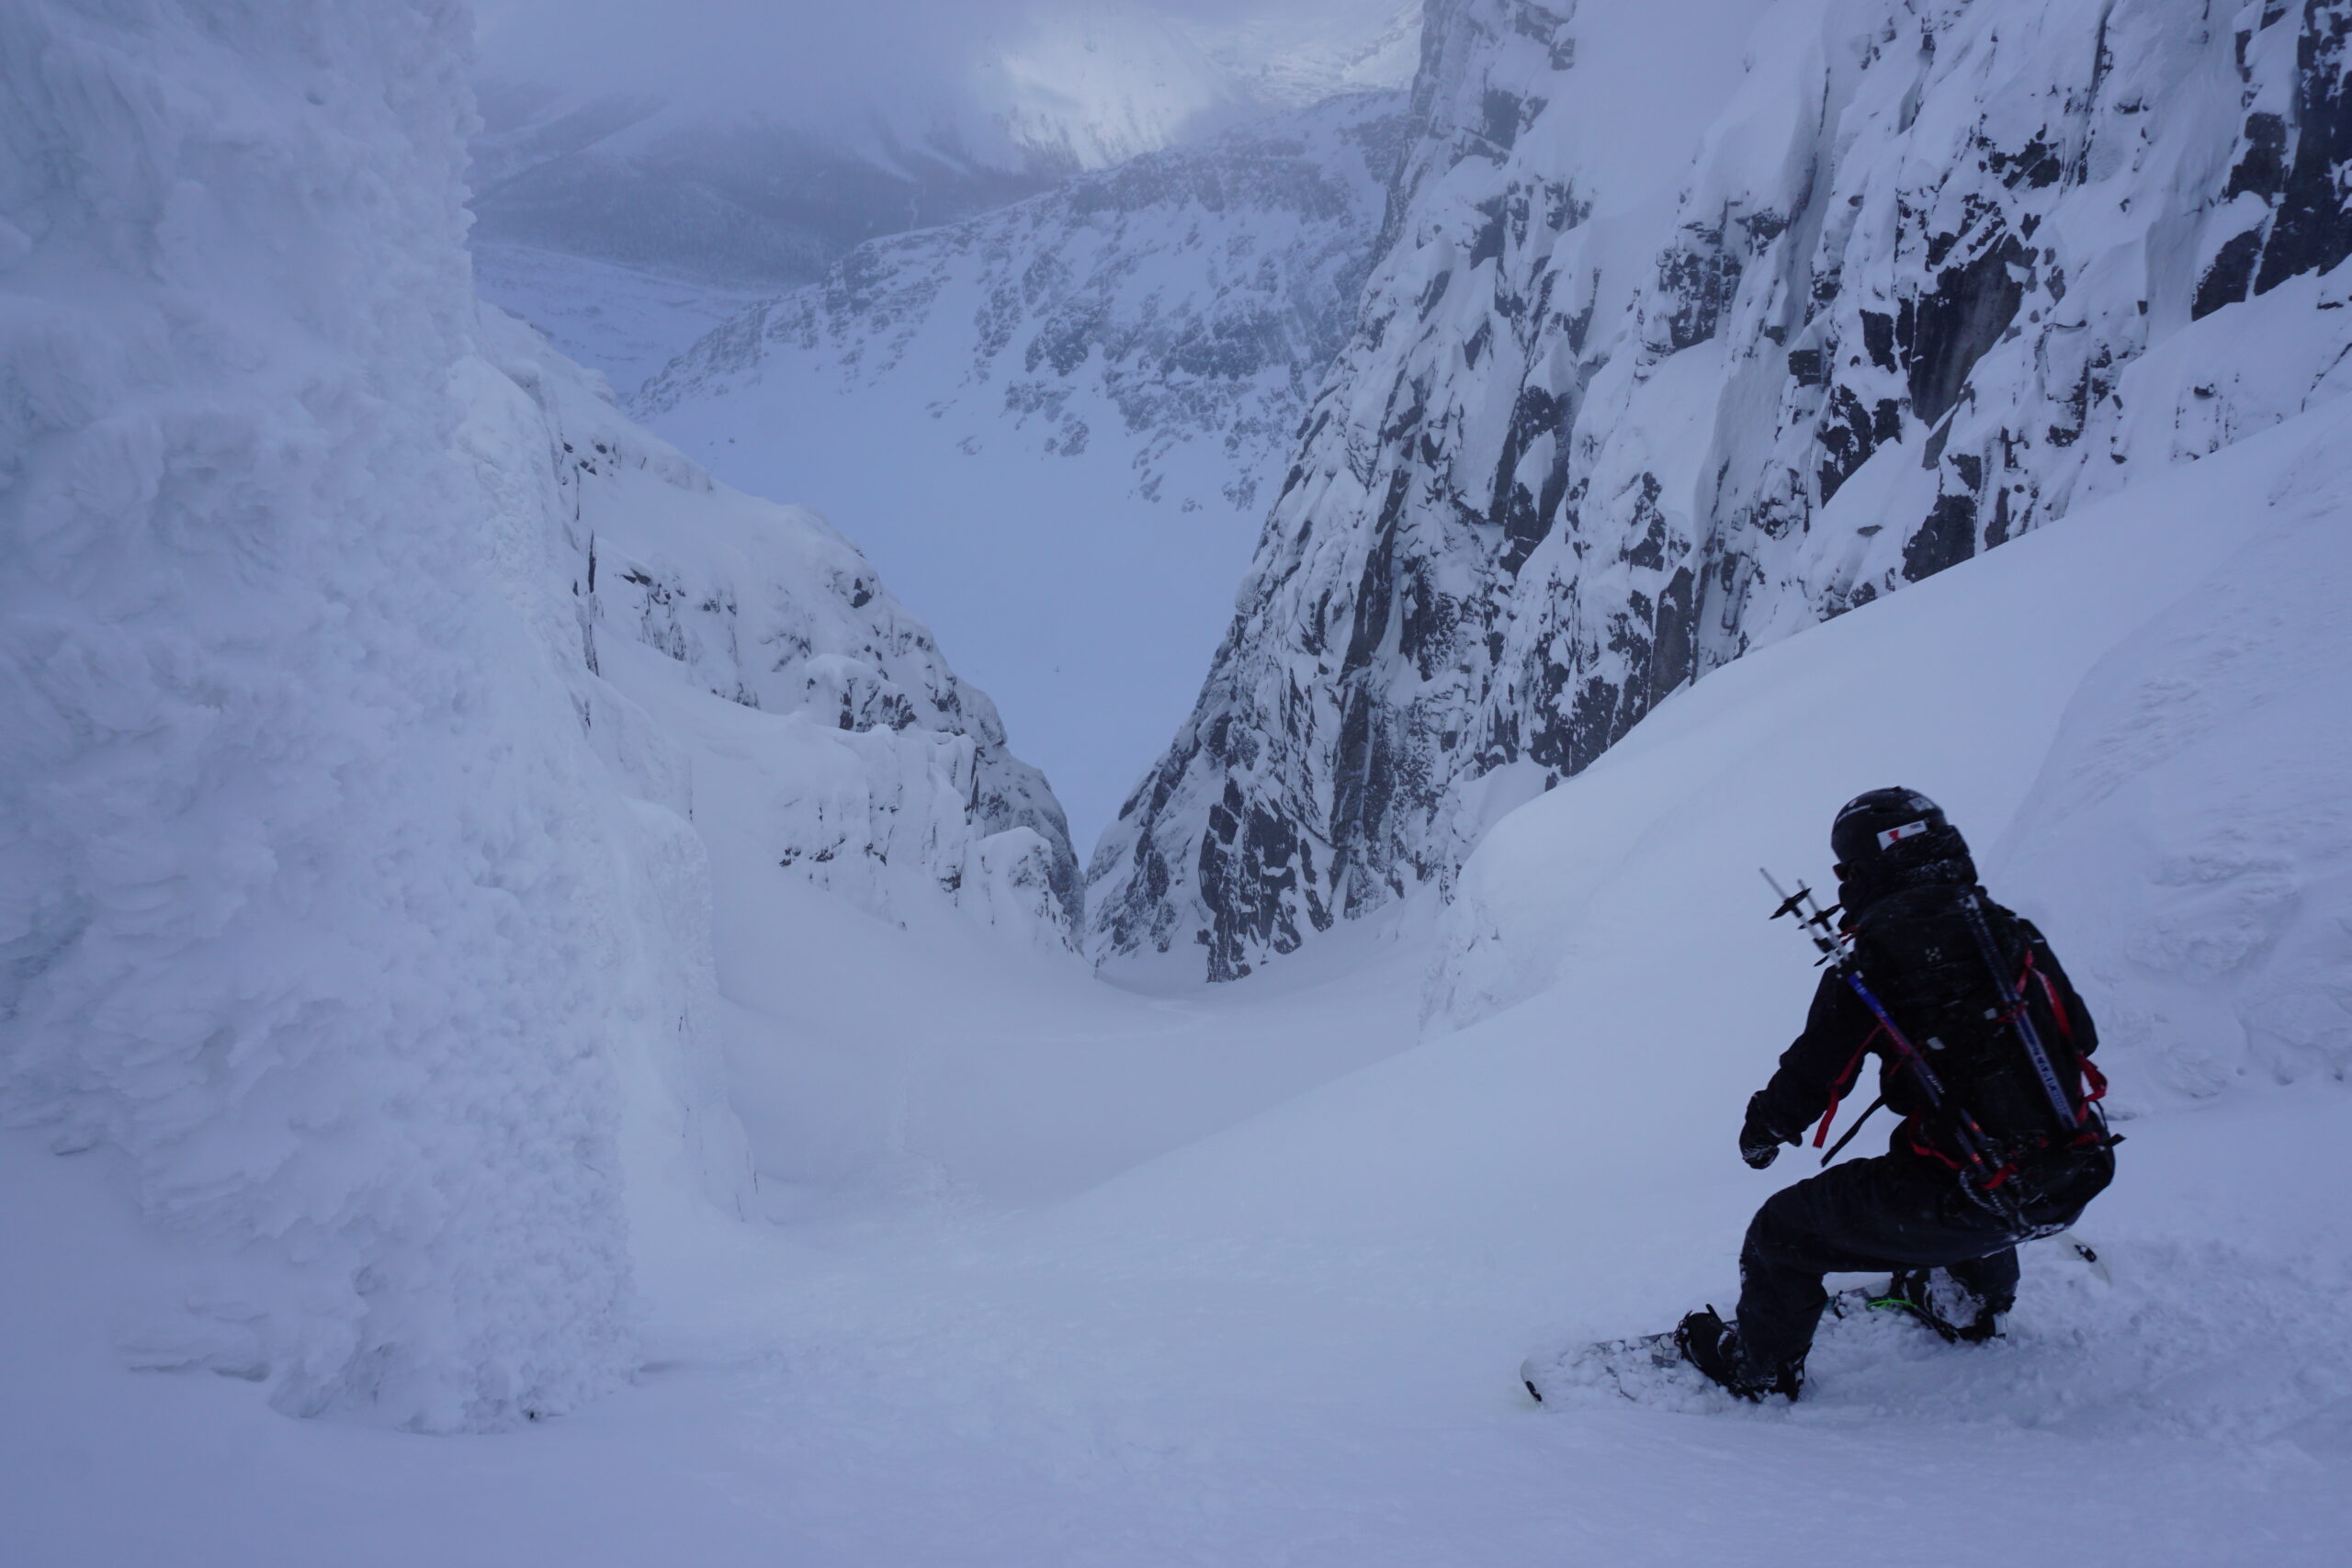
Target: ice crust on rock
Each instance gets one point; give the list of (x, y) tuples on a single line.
[(1620, 408), (353, 928)]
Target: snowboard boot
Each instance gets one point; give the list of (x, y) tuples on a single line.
[(1956, 1313), (1712, 1346)]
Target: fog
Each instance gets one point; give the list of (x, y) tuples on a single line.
[(954, 66)]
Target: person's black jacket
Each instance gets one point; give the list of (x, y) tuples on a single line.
[(1826, 1061)]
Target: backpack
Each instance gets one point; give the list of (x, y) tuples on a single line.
[(2007, 1100)]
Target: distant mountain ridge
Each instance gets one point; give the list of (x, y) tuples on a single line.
[(707, 186), (1187, 295)]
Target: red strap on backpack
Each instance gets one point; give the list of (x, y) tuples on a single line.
[(1838, 1090)]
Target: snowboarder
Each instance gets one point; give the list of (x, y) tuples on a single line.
[(1985, 1050)]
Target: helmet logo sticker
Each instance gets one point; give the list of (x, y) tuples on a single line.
[(1895, 836)]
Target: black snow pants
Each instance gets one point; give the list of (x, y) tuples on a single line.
[(1895, 1211)]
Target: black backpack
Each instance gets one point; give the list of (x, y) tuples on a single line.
[(2006, 1100)]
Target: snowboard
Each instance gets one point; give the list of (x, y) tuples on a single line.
[(1648, 1368), (1645, 1368)]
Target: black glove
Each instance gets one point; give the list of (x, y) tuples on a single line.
[(1759, 1144)]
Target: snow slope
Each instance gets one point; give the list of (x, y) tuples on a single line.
[(1057, 423), (1291, 1337), (366, 1052), (1688, 335)]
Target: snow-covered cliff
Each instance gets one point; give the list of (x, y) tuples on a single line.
[(892, 780), (1673, 350), (1100, 384), (352, 930)]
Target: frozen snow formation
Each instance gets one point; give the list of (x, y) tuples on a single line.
[(1182, 303), (350, 924), (1693, 327), (318, 918)]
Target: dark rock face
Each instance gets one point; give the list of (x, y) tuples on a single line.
[(1893, 322), (2287, 181)]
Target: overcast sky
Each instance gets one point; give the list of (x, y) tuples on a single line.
[(813, 60)]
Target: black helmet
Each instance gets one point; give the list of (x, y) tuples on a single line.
[(1889, 838), (1879, 820)]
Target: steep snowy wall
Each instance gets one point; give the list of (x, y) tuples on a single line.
[(1624, 405), (352, 925), (893, 781), (315, 925)]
